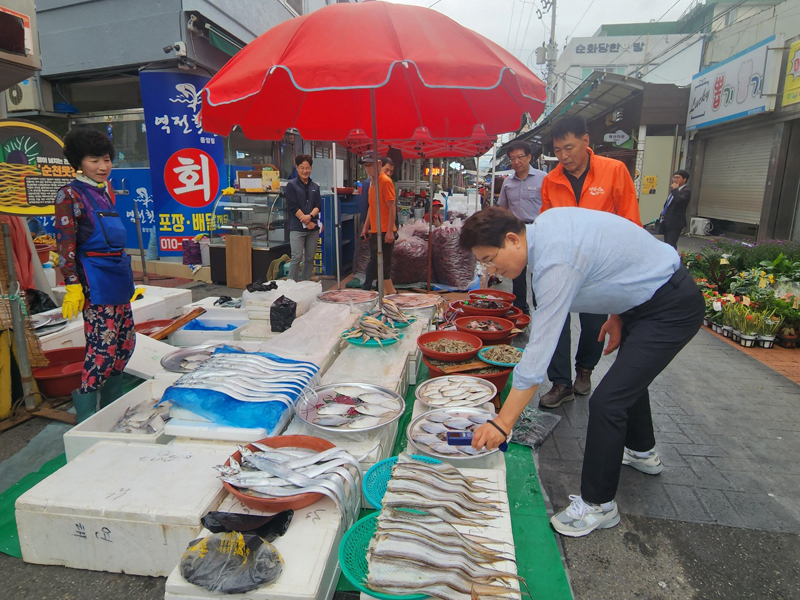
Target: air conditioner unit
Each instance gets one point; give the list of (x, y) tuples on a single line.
[(24, 96), (700, 226)]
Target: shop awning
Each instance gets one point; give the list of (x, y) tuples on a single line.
[(219, 39)]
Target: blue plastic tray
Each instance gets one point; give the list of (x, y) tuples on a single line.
[(493, 362), (379, 474), (373, 343)]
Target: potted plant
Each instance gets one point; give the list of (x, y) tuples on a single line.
[(729, 318), (788, 337), (770, 325), (749, 322)]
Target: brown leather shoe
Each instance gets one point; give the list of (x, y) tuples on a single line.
[(559, 393), (583, 381)]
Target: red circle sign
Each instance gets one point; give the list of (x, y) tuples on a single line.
[(191, 177)]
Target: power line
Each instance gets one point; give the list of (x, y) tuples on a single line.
[(641, 36), (581, 19), (510, 23)]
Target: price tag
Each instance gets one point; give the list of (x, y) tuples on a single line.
[(745, 300), (723, 261), (730, 298), (796, 303), (717, 306), (762, 283)]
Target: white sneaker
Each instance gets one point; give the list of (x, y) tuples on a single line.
[(580, 518), (651, 464)]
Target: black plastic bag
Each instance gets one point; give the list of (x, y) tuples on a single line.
[(533, 427), (259, 286), (231, 562), (281, 314), (38, 302), (268, 527)]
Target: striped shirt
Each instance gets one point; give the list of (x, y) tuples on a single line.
[(585, 261)]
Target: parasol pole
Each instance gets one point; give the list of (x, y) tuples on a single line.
[(430, 220), (336, 221), (494, 167), (376, 183)]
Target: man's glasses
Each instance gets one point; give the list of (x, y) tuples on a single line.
[(518, 158)]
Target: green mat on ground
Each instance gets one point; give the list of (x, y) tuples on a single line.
[(538, 557), (9, 538)]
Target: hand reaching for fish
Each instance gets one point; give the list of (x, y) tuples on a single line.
[(489, 436)]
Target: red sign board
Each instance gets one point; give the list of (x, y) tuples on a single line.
[(191, 177)]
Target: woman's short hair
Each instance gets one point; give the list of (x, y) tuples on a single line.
[(301, 158), (488, 227), (84, 141)]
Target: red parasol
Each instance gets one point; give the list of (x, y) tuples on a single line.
[(422, 145), (410, 67)]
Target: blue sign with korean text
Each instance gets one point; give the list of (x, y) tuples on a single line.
[(186, 163)]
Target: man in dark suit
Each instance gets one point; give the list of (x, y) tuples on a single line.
[(673, 217)]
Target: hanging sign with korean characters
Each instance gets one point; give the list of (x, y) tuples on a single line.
[(791, 84), (186, 163), (744, 84)]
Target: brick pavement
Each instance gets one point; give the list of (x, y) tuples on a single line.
[(726, 429)]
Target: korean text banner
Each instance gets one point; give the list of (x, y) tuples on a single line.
[(737, 87), (186, 163), (791, 87)]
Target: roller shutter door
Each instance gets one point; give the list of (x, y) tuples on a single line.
[(735, 175)]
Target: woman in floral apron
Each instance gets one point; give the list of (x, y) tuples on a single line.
[(97, 271)]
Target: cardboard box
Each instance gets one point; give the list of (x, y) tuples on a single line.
[(258, 181)]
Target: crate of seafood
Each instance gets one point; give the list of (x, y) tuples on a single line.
[(133, 417)]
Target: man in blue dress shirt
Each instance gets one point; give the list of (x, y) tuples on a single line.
[(590, 261)]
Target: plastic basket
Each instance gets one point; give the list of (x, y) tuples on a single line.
[(379, 474), (353, 557)]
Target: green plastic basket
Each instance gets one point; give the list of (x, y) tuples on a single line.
[(353, 557), (379, 474)]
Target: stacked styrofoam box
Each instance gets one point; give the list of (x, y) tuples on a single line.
[(216, 312), (309, 549), (174, 298), (121, 507), (386, 367), (97, 428), (411, 334)]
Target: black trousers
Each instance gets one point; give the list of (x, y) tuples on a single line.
[(672, 235), (519, 287), (619, 410), (371, 276), (589, 349)]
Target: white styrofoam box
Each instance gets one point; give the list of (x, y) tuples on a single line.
[(258, 314), (97, 428), (149, 309), (174, 298), (258, 330), (379, 366), (147, 355), (197, 430), (493, 461), (498, 527), (69, 337), (215, 312), (196, 337), (121, 507), (309, 548)]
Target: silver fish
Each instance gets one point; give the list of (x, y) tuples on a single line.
[(364, 422), (425, 438), (373, 410), (459, 423), (481, 418), (334, 409), (443, 448), (331, 421), (437, 417), (433, 427)]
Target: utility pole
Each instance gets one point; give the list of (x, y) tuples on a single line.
[(552, 54)]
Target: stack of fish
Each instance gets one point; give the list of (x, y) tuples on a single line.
[(370, 328), (251, 377), (429, 431), (143, 419), (390, 314), (283, 472), (425, 553)]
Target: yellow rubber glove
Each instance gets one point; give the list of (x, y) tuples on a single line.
[(73, 301), (137, 293)]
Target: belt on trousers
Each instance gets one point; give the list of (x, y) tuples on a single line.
[(671, 284)]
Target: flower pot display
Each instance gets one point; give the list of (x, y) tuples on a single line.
[(748, 341), (736, 335), (785, 341), (727, 331), (706, 322), (766, 341)]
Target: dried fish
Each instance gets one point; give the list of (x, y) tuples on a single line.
[(346, 296), (503, 353), (449, 346), (484, 325)]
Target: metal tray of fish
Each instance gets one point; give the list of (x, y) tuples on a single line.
[(40, 320), (186, 360), (455, 391), (415, 301), (349, 407), (428, 432)]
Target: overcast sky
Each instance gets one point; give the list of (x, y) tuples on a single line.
[(514, 24)]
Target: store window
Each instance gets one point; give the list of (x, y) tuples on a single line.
[(588, 71), (127, 132)]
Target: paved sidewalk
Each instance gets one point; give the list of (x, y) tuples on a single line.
[(727, 431)]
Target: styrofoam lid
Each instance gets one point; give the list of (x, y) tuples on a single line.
[(174, 485)]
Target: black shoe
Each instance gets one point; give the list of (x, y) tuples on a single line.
[(583, 381)]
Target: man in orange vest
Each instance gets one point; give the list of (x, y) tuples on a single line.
[(589, 181)]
